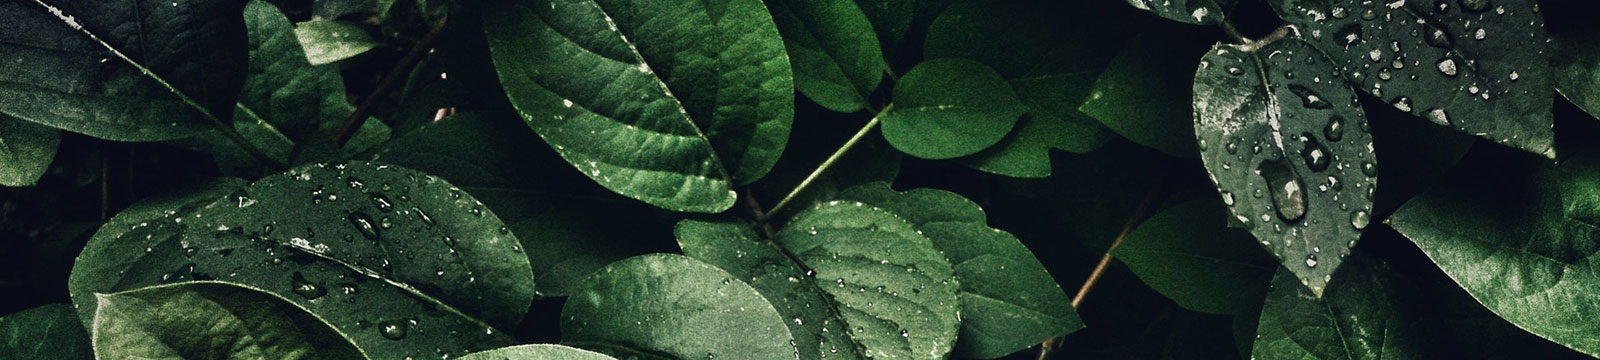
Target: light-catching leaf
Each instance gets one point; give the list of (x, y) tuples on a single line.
[(1188, 254), (1009, 302), (836, 56), (670, 306), (398, 261), (58, 75), (1524, 247), (946, 108), (211, 320), (45, 332), (537, 352), (1577, 68), (327, 41), (292, 95), (1359, 317), (1289, 152), (26, 150), (1480, 67), (671, 103), (1147, 88), (1187, 11)]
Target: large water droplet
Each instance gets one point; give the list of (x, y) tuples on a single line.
[(1288, 192), (1334, 130), (1403, 103), (1349, 35), (1447, 67), (1315, 154), (1311, 260), (1436, 37), (1367, 167), (300, 286), (1227, 198), (393, 330), (1438, 116), (364, 225), (1309, 98), (1359, 219)]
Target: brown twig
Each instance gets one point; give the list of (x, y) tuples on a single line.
[(386, 85), (768, 235)]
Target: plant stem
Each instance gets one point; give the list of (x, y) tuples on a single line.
[(1134, 219), (1233, 32), (767, 234), (1252, 46), (838, 154), (359, 117)]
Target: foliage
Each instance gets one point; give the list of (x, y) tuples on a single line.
[(771, 179)]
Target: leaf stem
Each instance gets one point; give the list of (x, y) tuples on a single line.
[(767, 234), (1233, 32), (838, 154), (359, 116)]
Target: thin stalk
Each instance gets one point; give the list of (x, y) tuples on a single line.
[(838, 154), (363, 110), (1233, 32), (767, 234)]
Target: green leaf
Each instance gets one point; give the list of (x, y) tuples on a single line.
[(836, 56), (891, 19), (1358, 317), (328, 41), (62, 72), (948, 108), (1480, 67), (537, 352), (566, 222), (26, 150), (1049, 61), (281, 87), (674, 104), (1577, 68), (1009, 302), (211, 320), (671, 306), (45, 332), (1290, 154), (1187, 11), (1148, 87), (1188, 254), (363, 246), (1524, 247)]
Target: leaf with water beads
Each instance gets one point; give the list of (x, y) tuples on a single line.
[(1187, 11), (1288, 148), (1478, 66), (1360, 317)]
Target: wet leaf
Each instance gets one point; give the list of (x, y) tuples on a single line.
[(327, 41), (45, 332), (26, 150), (1289, 151), (211, 320), (948, 108), (1359, 317), (1188, 254), (399, 261), (537, 352), (1524, 247), (58, 76), (1187, 11), (835, 53), (1477, 66), (671, 306), (670, 103)]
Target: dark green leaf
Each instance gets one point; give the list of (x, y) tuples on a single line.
[(1147, 88), (327, 41), (1577, 68), (1480, 67), (376, 250), (1358, 317), (948, 108), (1188, 254), (57, 75), (1283, 148), (836, 56), (281, 87), (670, 306), (1187, 11), (537, 352), (1008, 300), (211, 320), (1524, 247), (891, 19), (672, 105), (45, 332), (26, 150)]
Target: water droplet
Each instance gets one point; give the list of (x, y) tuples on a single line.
[(1227, 198), (1367, 167), (1315, 154), (1349, 35), (1232, 146), (381, 202), (1514, 76), (1438, 116), (1437, 38), (904, 333), (423, 216), (1232, 70), (1359, 219), (300, 286), (1311, 260), (1335, 128), (1403, 103), (1447, 67), (364, 225), (393, 330), (1309, 98), (1480, 34), (1288, 195), (354, 182)]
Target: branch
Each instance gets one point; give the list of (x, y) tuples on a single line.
[(825, 164), (767, 234), (359, 117)]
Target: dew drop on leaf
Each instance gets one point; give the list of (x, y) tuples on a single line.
[(364, 225), (1315, 154), (1311, 260), (1447, 67), (1309, 98), (1438, 116), (300, 286), (393, 330), (1359, 219), (1334, 130), (1288, 192)]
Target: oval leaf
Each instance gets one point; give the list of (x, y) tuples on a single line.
[(836, 56), (45, 332), (1146, 86), (670, 103), (948, 108), (671, 306), (1288, 151), (327, 41), (1480, 67), (26, 150), (211, 320), (1359, 317), (1188, 254), (401, 262), (537, 352)]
